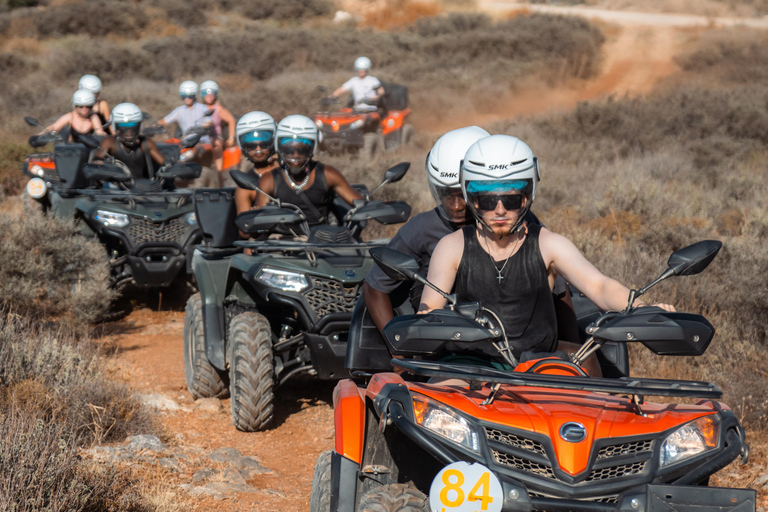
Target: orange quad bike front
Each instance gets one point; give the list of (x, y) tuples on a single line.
[(543, 436), (368, 132)]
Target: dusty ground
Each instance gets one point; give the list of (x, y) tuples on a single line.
[(638, 54)]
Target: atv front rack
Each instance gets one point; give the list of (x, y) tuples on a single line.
[(621, 386), (299, 246)]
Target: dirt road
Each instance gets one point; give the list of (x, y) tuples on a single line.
[(638, 54)]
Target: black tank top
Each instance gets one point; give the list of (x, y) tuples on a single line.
[(138, 160), (318, 194), (523, 301)]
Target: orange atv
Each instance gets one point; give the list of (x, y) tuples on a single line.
[(541, 437), (369, 132)]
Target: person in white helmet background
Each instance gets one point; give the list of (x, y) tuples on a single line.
[(255, 133), (299, 179), (81, 120), (209, 90), (191, 113), (101, 107), (509, 264), (366, 89), (139, 153)]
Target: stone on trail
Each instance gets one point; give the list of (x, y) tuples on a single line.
[(145, 442)]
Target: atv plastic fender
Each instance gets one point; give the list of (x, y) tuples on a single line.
[(211, 276), (68, 208), (349, 418)]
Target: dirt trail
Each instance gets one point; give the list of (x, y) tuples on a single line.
[(638, 53)]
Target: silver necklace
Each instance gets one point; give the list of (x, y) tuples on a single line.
[(292, 183), (493, 262)]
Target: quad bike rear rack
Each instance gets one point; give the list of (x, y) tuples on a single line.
[(477, 376)]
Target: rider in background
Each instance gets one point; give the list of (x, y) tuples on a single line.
[(209, 90), (82, 120), (419, 236), (509, 264), (366, 89), (190, 114), (255, 133), (137, 152), (101, 107), (300, 180)]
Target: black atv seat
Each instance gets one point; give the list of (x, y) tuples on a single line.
[(215, 210)]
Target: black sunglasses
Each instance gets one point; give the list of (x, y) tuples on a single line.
[(252, 146), (509, 202)]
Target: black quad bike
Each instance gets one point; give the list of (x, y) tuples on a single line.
[(273, 308), (542, 437), (147, 226)]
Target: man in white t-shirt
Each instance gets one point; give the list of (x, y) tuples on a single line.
[(190, 113), (365, 89)]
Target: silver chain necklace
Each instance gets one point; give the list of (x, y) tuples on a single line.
[(292, 183), (493, 262)]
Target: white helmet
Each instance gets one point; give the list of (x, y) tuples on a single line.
[(444, 159), (497, 164), (188, 88), (126, 123), (90, 83), (83, 98), (209, 86), (299, 135), (362, 63), (254, 128)]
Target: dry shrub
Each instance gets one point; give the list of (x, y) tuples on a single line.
[(11, 156), (110, 61), (91, 17), (50, 269), (284, 10), (397, 13)]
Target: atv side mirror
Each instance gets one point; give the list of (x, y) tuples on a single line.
[(181, 170), (684, 262), (190, 141), (208, 112), (31, 121), (401, 267), (245, 180), (392, 175), (320, 88), (146, 115), (694, 258)]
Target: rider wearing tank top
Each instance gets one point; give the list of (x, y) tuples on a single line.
[(142, 158), (318, 194)]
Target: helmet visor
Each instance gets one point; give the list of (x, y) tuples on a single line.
[(256, 139), (289, 146), (128, 131)]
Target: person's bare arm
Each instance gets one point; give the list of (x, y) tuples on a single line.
[(606, 293), (379, 306), (442, 270), (107, 147), (340, 185), (243, 202), (98, 129), (155, 153), (338, 92), (227, 117), (267, 184), (60, 123)]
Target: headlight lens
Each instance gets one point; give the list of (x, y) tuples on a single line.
[(191, 219), (114, 220), (691, 439), (283, 279), (444, 422), (356, 124), (186, 156), (319, 124), (37, 170)]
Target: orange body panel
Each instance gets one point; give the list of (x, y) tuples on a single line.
[(45, 163), (394, 120), (231, 156), (349, 418), (545, 411)]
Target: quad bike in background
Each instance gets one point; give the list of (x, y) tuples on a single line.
[(542, 437), (368, 132), (147, 227), (271, 309)]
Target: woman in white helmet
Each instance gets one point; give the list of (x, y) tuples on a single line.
[(255, 133), (366, 89), (82, 120), (209, 90), (508, 264), (300, 180), (101, 107), (137, 152)]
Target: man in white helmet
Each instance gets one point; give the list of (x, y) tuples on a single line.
[(366, 89), (508, 264), (191, 113), (300, 180), (137, 152)]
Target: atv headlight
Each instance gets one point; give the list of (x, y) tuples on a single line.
[(37, 170), (191, 219), (319, 124), (691, 439), (444, 422), (110, 219), (283, 279), (354, 125), (186, 156)]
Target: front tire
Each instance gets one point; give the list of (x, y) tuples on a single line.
[(203, 380), (251, 371), (394, 498), (320, 498)]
